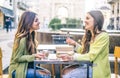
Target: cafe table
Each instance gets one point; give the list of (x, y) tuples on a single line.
[(54, 60), (50, 47)]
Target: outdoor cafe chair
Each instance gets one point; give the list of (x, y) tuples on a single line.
[(116, 55), (1, 71)]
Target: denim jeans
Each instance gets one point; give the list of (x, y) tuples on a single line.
[(80, 72), (30, 74)]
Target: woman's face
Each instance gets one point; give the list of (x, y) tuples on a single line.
[(35, 25), (89, 22)]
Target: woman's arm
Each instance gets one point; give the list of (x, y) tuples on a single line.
[(20, 53), (101, 44), (78, 47)]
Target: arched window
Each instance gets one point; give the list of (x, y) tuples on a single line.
[(62, 12)]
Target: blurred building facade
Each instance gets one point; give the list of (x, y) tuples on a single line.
[(115, 13), (19, 7), (105, 9), (11, 9), (6, 11), (68, 8), (48, 9)]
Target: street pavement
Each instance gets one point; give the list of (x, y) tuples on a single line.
[(6, 42)]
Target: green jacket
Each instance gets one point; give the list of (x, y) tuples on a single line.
[(19, 60), (98, 54)]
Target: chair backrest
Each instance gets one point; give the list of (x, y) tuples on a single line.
[(117, 51), (1, 72)]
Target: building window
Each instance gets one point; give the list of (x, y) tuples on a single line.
[(11, 2), (118, 8), (113, 9), (62, 12)]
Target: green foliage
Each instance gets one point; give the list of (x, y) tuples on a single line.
[(55, 23), (70, 21), (76, 23)]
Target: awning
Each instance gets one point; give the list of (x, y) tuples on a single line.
[(6, 12)]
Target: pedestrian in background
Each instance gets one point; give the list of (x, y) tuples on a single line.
[(94, 47), (10, 24), (24, 49), (7, 23)]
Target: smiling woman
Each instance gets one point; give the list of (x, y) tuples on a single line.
[(24, 49), (94, 47)]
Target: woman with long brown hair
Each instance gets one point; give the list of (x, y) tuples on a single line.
[(24, 49), (94, 47)]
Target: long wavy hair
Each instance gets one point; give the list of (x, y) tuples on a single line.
[(89, 37), (23, 30)]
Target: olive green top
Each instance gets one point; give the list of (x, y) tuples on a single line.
[(19, 60), (98, 54)]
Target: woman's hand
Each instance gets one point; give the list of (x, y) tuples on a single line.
[(66, 57), (39, 55), (70, 41)]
